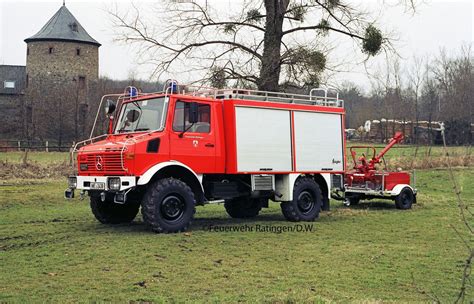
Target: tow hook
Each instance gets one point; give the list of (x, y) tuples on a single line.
[(121, 197)]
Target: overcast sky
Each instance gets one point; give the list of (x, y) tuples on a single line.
[(436, 24)]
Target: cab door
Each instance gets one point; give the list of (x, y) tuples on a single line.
[(193, 144)]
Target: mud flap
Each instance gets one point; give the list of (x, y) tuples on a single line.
[(325, 206)]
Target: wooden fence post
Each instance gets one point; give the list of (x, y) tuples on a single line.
[(47, 146), (19, 146)]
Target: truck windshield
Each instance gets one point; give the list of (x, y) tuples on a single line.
[(141, 115)]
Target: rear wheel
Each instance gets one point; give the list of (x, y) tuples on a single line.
[(405, 199), (306, 203), (243, 207), (168, 206), (108, 212)]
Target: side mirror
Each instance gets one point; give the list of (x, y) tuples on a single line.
[(109, 107), (193, 112)]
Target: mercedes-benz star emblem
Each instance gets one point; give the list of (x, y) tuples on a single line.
[(98, 162)]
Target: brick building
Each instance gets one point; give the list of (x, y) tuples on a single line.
[(50, 98)]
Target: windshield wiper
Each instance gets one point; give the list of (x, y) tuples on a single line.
[(141, 129)]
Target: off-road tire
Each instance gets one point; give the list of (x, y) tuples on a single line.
[(243, 207), (168, 206), (405, 199), (108, 212), (306, 203)]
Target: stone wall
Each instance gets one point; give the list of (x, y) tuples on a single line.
[(11, 124), (61, 83), (63, 59)]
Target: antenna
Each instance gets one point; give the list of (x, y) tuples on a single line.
[(64, 2)]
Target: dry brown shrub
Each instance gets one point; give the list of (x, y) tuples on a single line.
[(33, 170), (407, 163)]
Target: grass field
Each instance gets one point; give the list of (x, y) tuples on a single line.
[(409, 150), (40, 157), (52, 250)]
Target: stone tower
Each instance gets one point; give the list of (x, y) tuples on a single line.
[(62, 70)]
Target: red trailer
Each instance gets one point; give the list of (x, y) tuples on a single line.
[(365, 181)]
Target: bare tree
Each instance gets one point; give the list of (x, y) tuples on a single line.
[(415, 80), (262, 46)]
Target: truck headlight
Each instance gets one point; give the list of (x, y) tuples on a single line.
[(113, 183), (72, 182)]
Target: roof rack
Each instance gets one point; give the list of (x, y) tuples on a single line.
[(324, 96), (311, 99), (329, 97)]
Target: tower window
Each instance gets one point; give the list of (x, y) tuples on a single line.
[(78, 52), (27, 51), (50, 50), (29, 114), (73, 27), (82, 82), (9, 84), (27, 80)]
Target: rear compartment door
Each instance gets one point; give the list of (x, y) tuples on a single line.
[(319, 141), (263, 139)]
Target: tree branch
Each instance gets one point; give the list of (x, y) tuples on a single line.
[(319, 27)]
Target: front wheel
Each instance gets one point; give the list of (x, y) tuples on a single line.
[(306, 203), (108, 212), (405, 199), (168, 206)]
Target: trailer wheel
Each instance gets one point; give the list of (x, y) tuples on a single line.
[(108, 212), (168, 206), (243, 207), (306, 202), (405, 199)]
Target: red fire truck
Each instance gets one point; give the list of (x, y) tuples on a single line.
[(170, 151)]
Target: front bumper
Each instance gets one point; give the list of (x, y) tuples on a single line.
[(86, 182)]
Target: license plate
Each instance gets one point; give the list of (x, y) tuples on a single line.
[(98, 186)]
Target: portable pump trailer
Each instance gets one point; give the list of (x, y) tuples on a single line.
[(365, 181), (169, 151)]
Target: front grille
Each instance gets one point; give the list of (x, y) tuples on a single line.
[(262, 182), (109, 163)]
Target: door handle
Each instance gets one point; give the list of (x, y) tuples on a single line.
[(209, 145)]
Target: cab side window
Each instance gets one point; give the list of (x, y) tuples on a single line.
[(181, 118)]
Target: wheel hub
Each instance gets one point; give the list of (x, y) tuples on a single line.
[(305, 202), (172, 207)]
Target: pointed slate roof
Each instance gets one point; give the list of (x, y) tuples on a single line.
[(63, 26)]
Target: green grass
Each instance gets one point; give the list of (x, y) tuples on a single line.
[(53, 250), (409, 150), (40, 157)]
